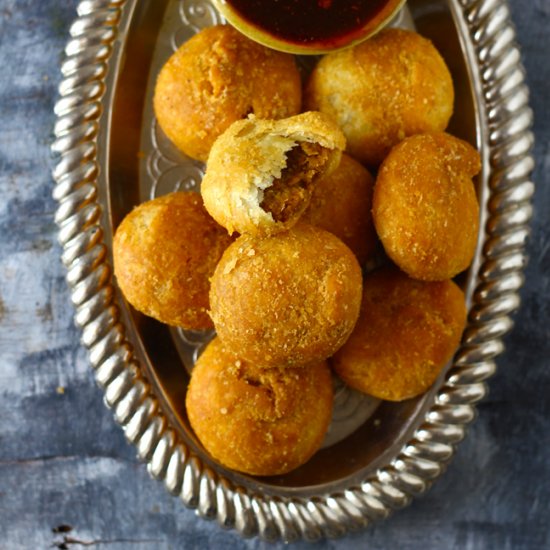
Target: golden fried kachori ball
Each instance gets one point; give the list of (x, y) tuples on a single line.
[(341, 203), (165, 251), (254, 420), (217, 77), (389, 87), (261, 173), (425, 206), (288, 299), (407, 332)]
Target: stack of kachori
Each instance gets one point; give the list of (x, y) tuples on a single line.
[(296, 206)]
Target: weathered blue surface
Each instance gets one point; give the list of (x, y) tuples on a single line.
[(63, 461)]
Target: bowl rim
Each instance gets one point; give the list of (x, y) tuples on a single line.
[(92, 55)]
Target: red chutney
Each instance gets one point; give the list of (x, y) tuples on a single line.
[(328, 22)]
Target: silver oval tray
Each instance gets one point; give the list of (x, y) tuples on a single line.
[(111, 157)]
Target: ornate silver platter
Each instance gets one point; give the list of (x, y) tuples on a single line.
[(111, 157)]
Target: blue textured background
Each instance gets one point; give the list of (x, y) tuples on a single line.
[(63, 461)]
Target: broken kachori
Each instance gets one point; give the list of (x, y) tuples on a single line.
[(261, 173)]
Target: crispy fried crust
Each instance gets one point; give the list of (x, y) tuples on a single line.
[(217, 77), (292, 298), (389, 87), (253, 154), (425, 206), (164, 252), (341, 203), (258, 421), (407, 332)]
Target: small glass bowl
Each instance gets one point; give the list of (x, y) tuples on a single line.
[(322, 46)]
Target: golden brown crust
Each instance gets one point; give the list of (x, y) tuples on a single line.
[(407, 332), (164, 252), (425, 206), (291, 298), (249, 156), (341, 203), (217, 77), (258, 421), (389, 87)]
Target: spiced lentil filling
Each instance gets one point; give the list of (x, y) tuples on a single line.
[(290, 194)]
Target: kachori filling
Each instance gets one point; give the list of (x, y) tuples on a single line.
[(290, 194)]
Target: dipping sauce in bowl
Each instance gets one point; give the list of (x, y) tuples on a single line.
[(308, 26)]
